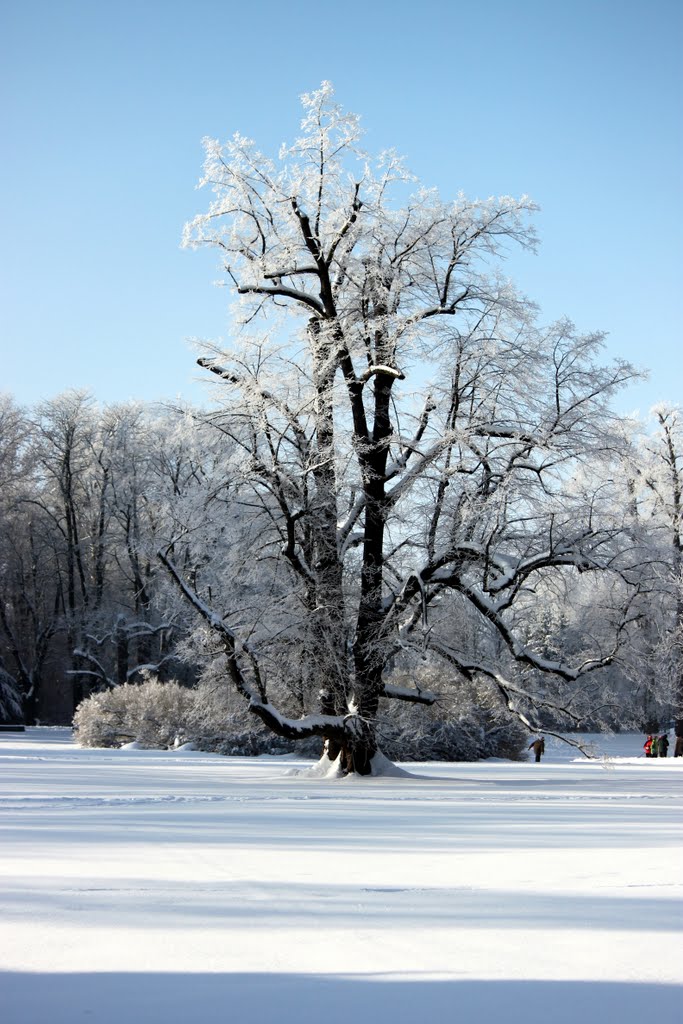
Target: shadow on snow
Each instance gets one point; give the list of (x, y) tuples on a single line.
[(270, 998)]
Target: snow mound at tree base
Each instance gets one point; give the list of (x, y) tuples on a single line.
[(381, 767)]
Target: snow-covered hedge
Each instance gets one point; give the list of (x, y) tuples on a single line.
[(466, 724), (162, 715), (153, 714)]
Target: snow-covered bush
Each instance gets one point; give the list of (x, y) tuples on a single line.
[(468, 723), (160, 715), (153, 714), (221, 723)]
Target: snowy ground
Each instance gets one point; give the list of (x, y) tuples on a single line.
[(140, 886)]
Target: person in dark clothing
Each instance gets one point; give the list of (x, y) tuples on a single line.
[(538, 747), (678, 749), (663, 745)]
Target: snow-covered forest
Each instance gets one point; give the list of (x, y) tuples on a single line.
[(406, 488)]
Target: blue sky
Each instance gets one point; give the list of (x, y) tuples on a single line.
[(578, 104)]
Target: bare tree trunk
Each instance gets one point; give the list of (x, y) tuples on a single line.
[(328, 618)]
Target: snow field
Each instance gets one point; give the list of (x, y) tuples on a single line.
[(153, 886)]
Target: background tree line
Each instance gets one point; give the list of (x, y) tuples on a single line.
[(89, 494), (84, 491)]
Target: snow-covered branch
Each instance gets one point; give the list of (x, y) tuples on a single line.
[(413, 696)]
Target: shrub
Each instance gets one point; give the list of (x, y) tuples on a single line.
[(466, 724), (153, 714), (161, 715)]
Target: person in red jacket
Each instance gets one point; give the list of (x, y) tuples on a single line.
[(647, 746)]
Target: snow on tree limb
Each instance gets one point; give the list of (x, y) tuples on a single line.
[(413, 696), (309, 725)]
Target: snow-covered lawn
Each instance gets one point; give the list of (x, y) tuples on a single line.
[(141, 886)]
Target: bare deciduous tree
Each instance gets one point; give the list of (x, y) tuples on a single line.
[(409, 441)]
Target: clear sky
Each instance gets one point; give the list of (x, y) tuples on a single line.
[(576, 102)]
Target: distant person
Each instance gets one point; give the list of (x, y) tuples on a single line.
[(663, 745), (538, 747), (648, 745), (678, 730)]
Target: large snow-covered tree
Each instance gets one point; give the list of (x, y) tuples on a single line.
[(413, 460)]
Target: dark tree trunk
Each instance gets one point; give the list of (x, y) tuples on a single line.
[(29, 706), (121, 645)]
